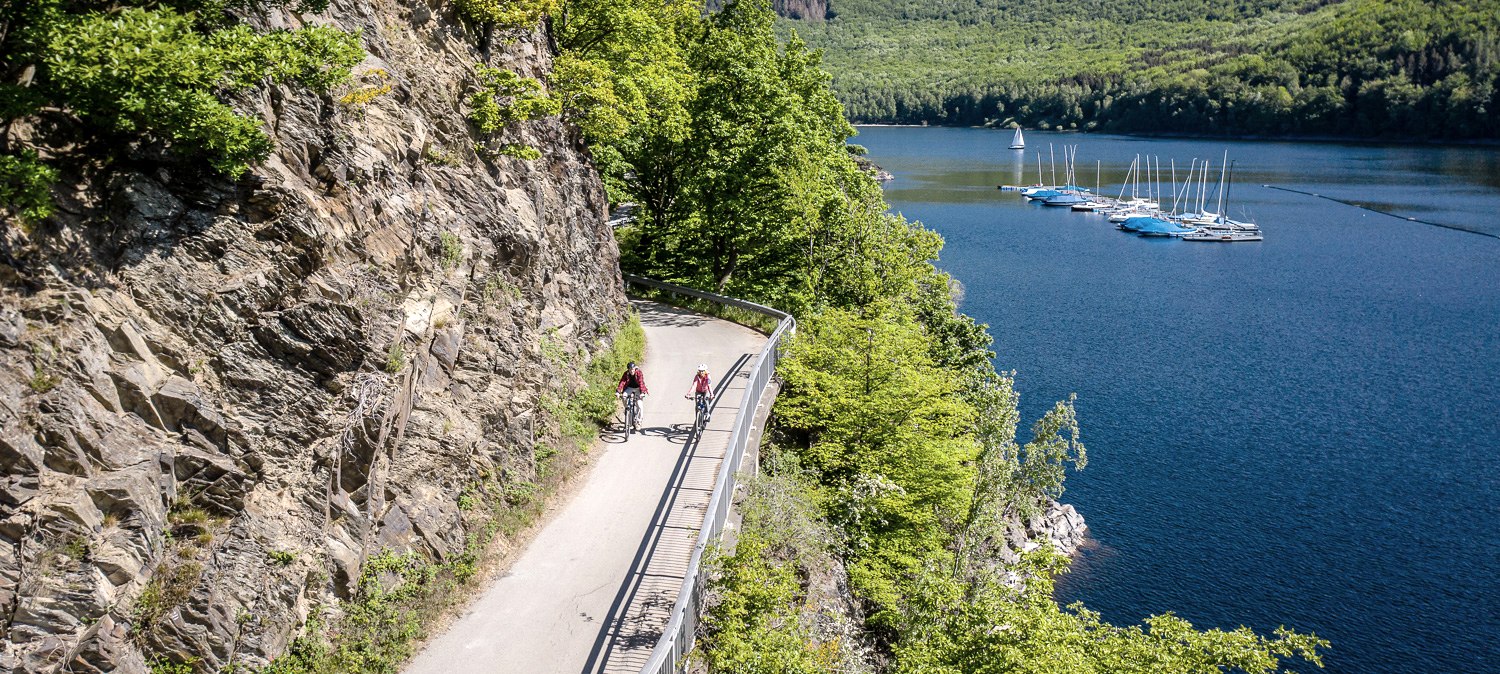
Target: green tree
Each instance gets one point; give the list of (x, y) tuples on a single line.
[(995, 628)]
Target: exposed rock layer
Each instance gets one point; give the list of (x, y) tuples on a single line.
[(217, 400), (807, 10)]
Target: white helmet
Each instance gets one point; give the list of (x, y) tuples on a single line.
[(702, 368)]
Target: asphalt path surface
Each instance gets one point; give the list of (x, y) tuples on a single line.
[(592, 591)]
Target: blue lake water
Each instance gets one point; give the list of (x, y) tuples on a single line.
[(1303, 431)]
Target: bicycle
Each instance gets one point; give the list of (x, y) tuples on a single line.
[(632, 411), (700, 403)]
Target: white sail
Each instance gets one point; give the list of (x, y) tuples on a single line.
[(1018, 142)]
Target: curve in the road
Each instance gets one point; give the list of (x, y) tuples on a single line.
[(593, 590)]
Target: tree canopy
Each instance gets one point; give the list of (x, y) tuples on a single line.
[(134, 69)]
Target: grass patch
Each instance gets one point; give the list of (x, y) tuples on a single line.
[(188, 515), (168, 588), (438, 156), (450, 250), (77, 548), (496, 287), (397, 595), (580, 414), (41, 380), (161, 665)]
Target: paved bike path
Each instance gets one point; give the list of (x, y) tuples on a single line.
[(592, 591)]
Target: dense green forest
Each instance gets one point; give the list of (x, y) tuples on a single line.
[(1307, 67), (896, 466)]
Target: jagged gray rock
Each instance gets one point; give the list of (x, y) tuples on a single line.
[(199, 376)]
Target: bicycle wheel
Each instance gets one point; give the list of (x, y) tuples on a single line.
[(629, 416)]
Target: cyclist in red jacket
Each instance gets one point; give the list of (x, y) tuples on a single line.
[(632, 383)]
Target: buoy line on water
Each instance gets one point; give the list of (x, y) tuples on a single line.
[(1376, 210)]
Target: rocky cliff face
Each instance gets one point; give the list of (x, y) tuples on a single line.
[(807, 10), (217, 399)]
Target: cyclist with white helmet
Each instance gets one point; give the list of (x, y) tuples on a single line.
[(702, 391)]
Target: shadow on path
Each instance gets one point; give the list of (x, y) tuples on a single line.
[(656, 314)]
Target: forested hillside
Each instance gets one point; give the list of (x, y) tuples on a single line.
[(1307, 67)]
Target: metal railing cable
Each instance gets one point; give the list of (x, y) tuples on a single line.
[(682, 626)]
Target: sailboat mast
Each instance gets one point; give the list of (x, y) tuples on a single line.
[(1053, 156), (1223, 171), (1157, 178), (1187, 185), (1135, 187), (1228, 186), (1174, 184), (1202, 185)]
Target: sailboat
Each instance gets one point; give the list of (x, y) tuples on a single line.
[(1069, 194), (1018, 142), (1224, 229)]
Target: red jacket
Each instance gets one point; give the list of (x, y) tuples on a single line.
[(701, 383), (632, 379)]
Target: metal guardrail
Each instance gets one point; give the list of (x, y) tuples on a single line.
[(682, 627)]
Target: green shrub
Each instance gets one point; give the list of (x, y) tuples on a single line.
[(158, 73), (519, 151), (26, 185), (167, 589), (450, 249), (468, 498), (161, 665), (77, 548), (506, 97), (395, 357)]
